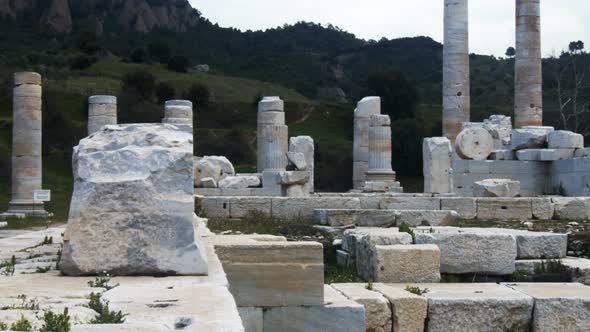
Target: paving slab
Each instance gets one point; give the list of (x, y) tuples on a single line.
[(377, 308)]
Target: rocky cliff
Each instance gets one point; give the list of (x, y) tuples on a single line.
[(135, 15)]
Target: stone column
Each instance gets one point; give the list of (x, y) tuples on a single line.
[(272, 135), (380, 149), (102, 110), (178, 112), (367, 107), (26, 145), (437, 154), (528, 94), (456, 95)]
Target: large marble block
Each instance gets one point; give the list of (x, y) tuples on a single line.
[(132, 205)]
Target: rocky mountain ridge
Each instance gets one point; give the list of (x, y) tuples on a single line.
[(135, 15)]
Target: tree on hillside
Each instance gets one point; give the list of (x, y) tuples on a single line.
[(573, 91), (399, 96), (198, 94), (141, 82), (510, 52), (178, 63), (164, 91)]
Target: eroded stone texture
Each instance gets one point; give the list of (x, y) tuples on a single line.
[(408, 310), (528, 89), (132, 205), (215, 167), (456, 94), (416, 263), (102, 110), (530, 137), (474, 144), (240, 182), (377, 308), (26, 145), (305, 145), (438, 154), (562, 139), (496, 188), (367, 107)]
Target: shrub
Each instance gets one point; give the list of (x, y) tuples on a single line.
[(405, 228), (165, 91), (56, 322), (178, 63), (22, 324), (104, 314), (141, 82), (138, 55), (198, 94), (81, 62)]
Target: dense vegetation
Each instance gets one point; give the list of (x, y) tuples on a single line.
[(298, 62)]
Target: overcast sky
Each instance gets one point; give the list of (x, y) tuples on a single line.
[(491, 21)]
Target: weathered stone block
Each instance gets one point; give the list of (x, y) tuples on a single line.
[(417, 263), (530, 137), (271, 274), (410, 203), (364, 218), (496, 188), (214, 167), (132, 206), (502, 155), (425, 217), (212, 207), (466, 207), (572, 208), (252, 319), (556, 154), (477, 307), (408, 310), (562, 139), (543, 208), (473, 253), (337, 314), (437, 153), (240, 207), (377, 308), (529, 154), (582, 153), (474, 144), (239, 182), (294, 207), (558, 307), (504, 208)]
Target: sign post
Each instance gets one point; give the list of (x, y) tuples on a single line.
[(41, 196)]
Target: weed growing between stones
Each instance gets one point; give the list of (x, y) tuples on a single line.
[(417, 290), (550, 266), (25, 304), (56, 322), (42, 269), (104, 314), (22, 324), (336, 274), (3, 326), (7, 268), (369, 285), (102, 281), (405, 228)]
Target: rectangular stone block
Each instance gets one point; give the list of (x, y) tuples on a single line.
[(502, 155), (252, 319), (410, 203), (212, 207), (582, 153), (270, 274), (337, 314), (543, 208), (473, 253), (303, 207), (558, 306), (556, 154), (240, 207), (529, 154), (413, 263), (572, 208), (466, 207), (408, 310), (378, 314), (364, 218), (425, 217), (477, 307), (504, 209)]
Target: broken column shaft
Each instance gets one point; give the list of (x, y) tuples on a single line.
[(102, 110), (528, 94), (456, 95), (272, 135), (380, 149)]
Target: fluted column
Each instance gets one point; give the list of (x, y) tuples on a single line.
[(380, 149), (367, 107), (456, 94), (26, 144), (102, 110), (528, 94), (272, 135)]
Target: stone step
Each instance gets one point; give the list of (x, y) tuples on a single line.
[(384, 218)]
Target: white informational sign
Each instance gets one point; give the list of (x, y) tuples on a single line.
[(42, 195)]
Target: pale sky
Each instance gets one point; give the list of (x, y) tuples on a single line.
[(491, 24)]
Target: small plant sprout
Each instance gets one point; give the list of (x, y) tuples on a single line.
[(417, 290), (369, 285), (104, 314), (22, 324), (102, 281), (7, 268), (56, 322)]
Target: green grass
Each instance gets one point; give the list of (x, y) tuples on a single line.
[(336, 274), (260, 223), (223, 88)]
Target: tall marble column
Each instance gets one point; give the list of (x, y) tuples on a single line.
[(528, 94), (272, 135), (380, 149), (367, 107), (26, 145), (456, 94), (102, 110)]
